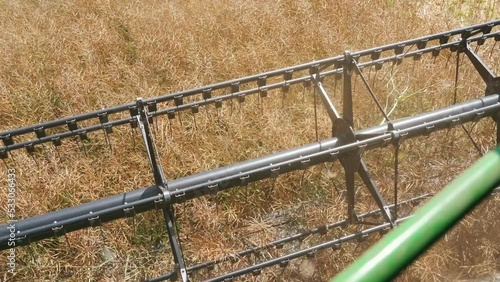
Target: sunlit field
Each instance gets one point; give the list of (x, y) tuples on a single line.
[(61, 58)]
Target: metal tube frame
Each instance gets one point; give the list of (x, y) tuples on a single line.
[(346, 144)]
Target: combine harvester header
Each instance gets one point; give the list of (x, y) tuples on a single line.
[(347, 145)]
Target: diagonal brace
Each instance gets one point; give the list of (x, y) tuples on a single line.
[(372, 187), (370, 90), (492, 81), (330, 109), (168, 214), (161, 183)]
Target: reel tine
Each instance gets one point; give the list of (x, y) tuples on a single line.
[(241, 101), (170, 129), (68, 243), (134, 224), (455, 88), (337, 246), (218, 108), (216, 201), (261, 84), (245, 188), (286, 87), (107, 129), (96, 221), (469, 135), (132, 221), (108, 140), (130, 214), (101, 231), (305, 88), (386, 72), (84, 148), (56, 142), (133, 133), (61, 231), (448, 60), (194, 111), (155, 127), (283, 265), (354, 81), (396, 178), (31, 252), (273, 186), (40, 133), (30, 149), (375, 77), (45, 153), (5, 163), (195, 123), (370, 75), (207, 94), (235, 88), (492, 49), (231, 105), (180, 119), (13, 158), (34, 159)]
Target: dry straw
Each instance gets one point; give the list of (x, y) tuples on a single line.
[(67, 57)]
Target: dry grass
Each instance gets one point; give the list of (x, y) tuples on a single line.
[(61, 58)]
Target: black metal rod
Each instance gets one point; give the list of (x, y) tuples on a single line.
[(488, 76), (476, 146), (455, 88), (370, 90), (372, 188)]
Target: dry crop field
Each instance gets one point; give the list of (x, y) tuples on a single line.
[(61, 58)]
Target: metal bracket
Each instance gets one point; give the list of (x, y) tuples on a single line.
[(492, 81), (353, 163), (161, 183)]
